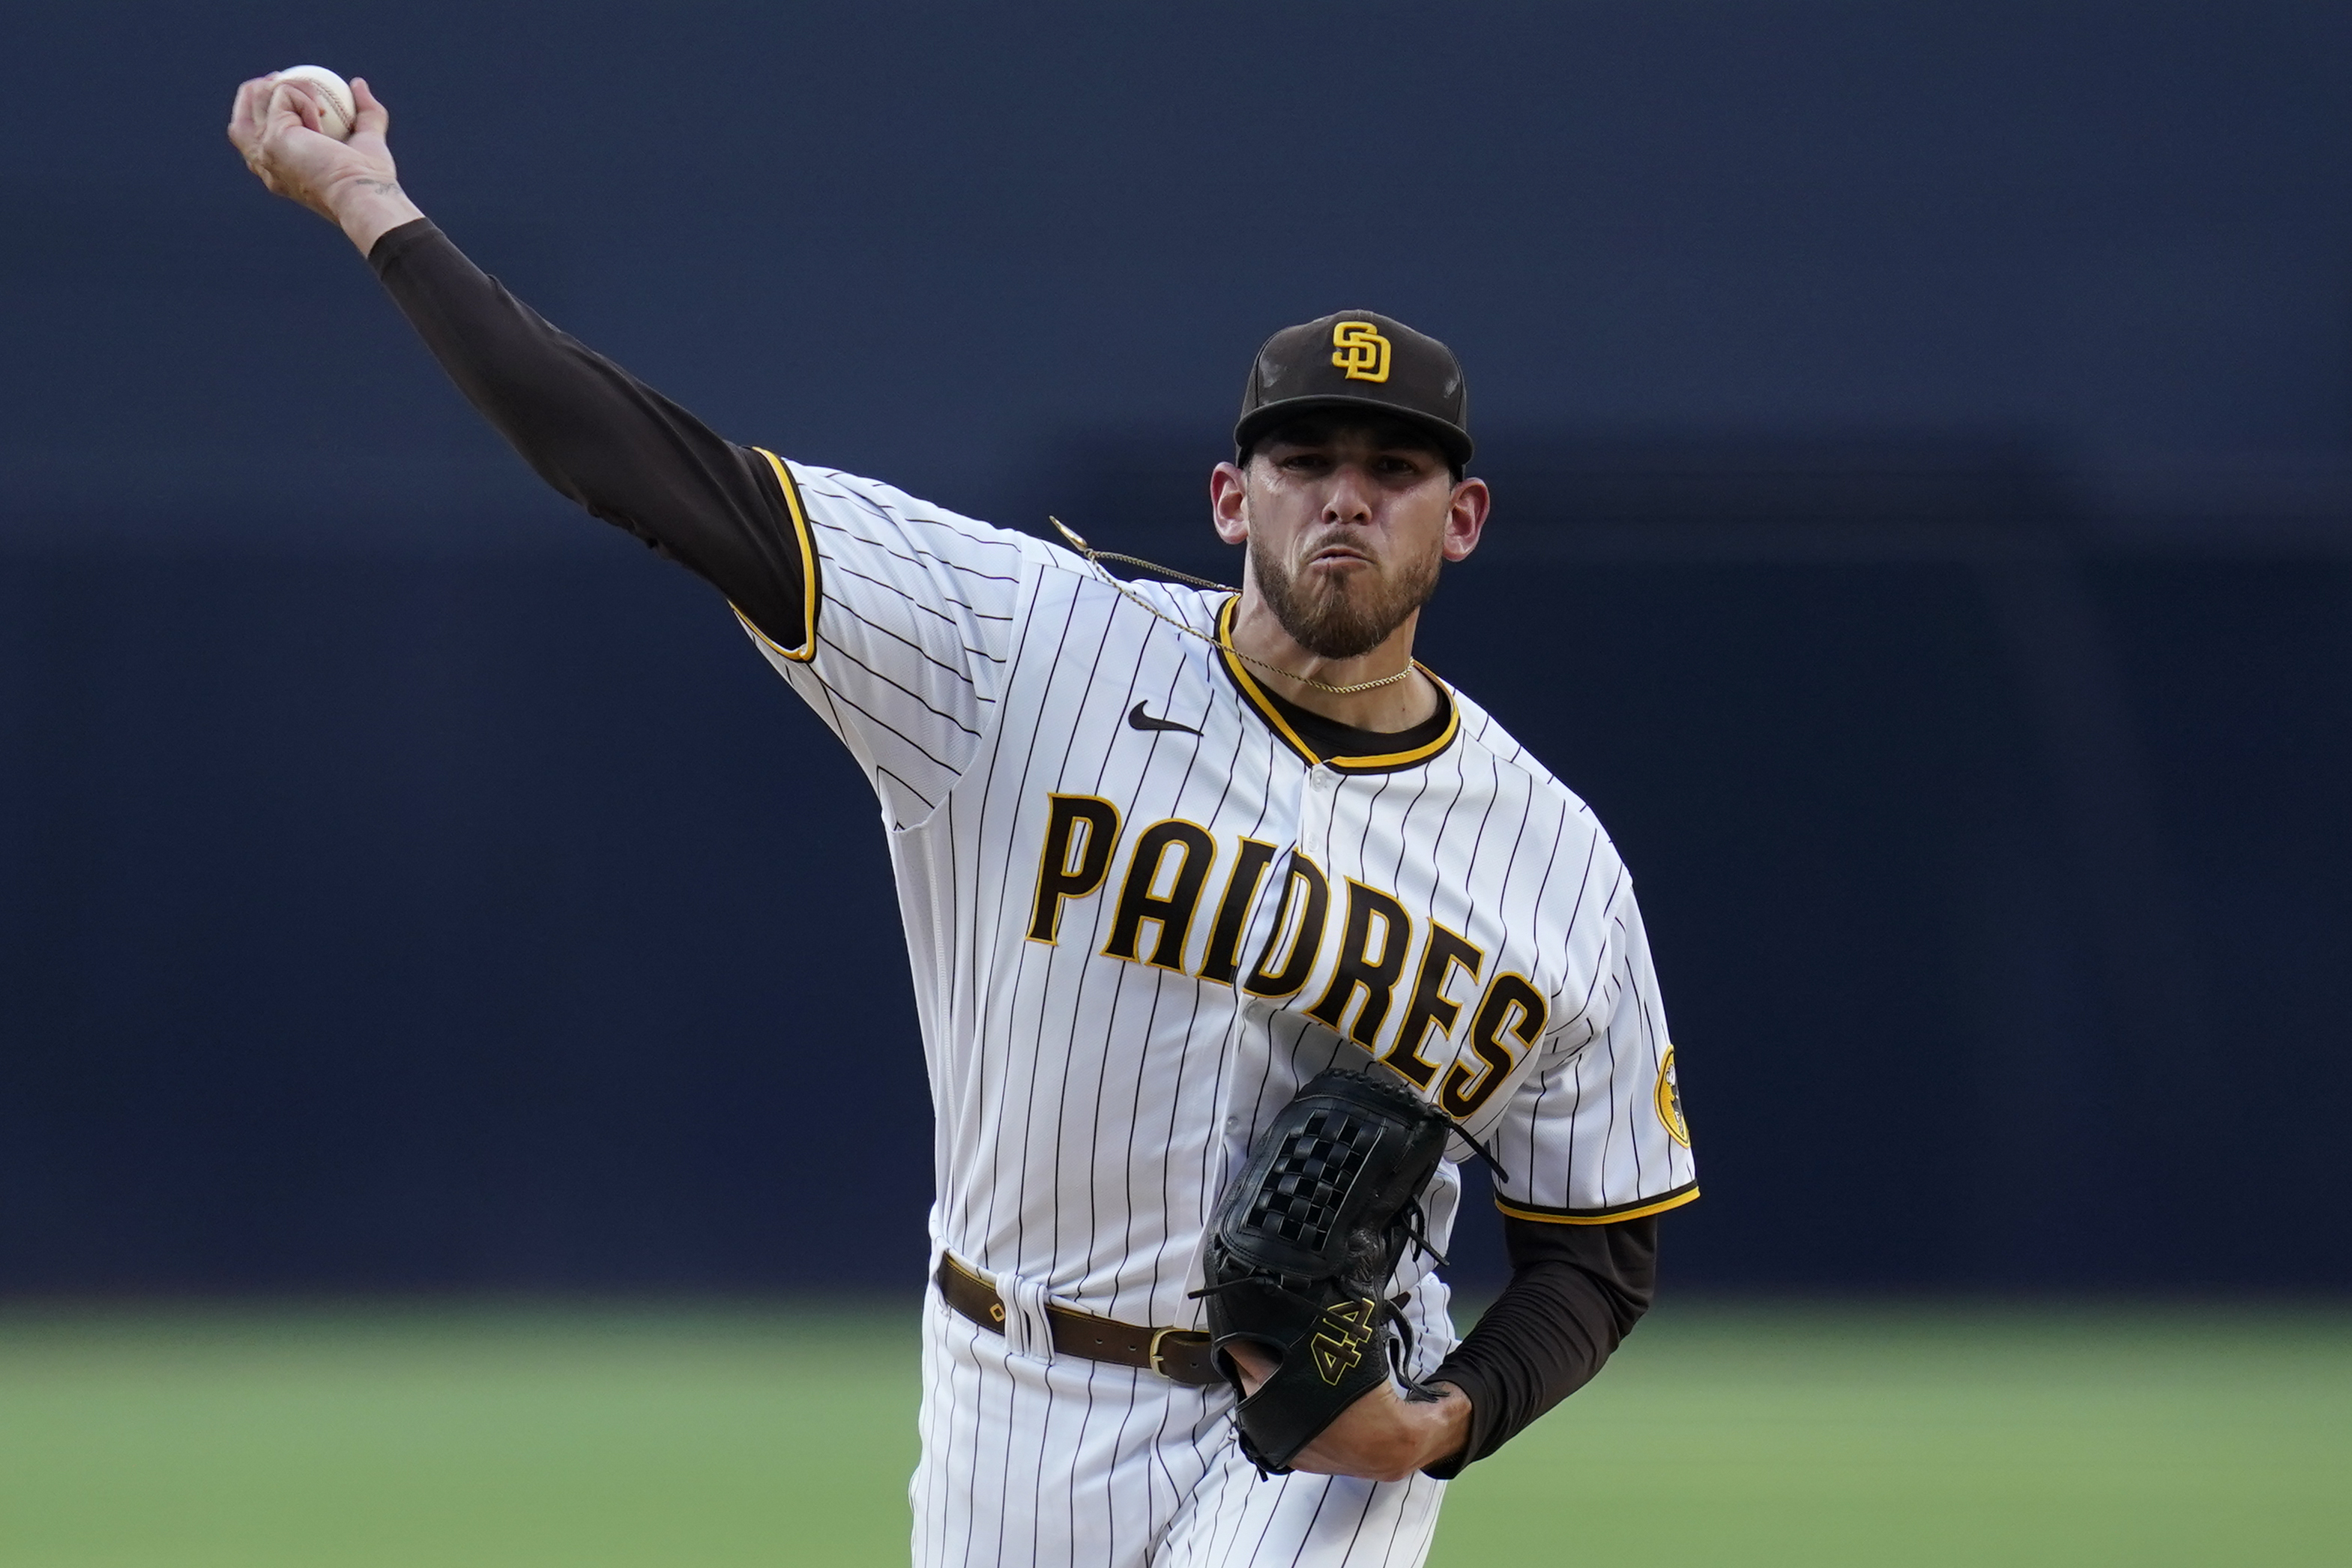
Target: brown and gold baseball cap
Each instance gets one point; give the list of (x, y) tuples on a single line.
[(1358, 359)]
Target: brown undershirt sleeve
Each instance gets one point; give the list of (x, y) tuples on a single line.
[(601, 437), (1576, 1291)]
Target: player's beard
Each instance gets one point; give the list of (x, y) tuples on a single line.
[(1333, 615)]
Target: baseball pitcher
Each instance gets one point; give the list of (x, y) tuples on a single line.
[(1234, 932)]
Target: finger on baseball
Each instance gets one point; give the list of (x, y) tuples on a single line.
[(370, 118), (275, 113), (297, 98), (244, 113)]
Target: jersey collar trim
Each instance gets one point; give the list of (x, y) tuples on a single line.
[(1256, 696)]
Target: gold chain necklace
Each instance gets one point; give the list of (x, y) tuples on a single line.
[(1094, 558)]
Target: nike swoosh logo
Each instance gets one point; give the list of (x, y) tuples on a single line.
[(1136, 718)]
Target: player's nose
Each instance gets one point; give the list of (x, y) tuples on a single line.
[(1350, 498)]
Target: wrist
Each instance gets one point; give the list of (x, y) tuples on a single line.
[(366, 207), (1444, 1412)]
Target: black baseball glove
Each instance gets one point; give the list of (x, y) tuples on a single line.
[(1301, 1250)]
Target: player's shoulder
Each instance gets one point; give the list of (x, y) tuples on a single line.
[(1483, 734), (1146, 602), (843, 509), (1195, 607), (1484, 738), (853, 519), (838, 501)]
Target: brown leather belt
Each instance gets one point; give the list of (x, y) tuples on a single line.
[(1181, 1356)]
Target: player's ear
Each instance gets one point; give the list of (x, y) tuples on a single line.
[(1228, 494), (1465, 520)]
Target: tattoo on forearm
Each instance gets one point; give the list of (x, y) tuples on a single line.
[(382, 187)]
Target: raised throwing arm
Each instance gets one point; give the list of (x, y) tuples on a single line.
[(604, 439)]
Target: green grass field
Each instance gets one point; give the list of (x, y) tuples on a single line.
[(1722, 1435)]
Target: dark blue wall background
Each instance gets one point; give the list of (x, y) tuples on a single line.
[(1923, 438)]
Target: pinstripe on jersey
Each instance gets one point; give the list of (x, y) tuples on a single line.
[(1131, 945)]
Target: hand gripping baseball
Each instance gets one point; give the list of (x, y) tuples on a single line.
[(352, 183)]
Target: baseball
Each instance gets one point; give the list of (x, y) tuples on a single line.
[(336, 112)]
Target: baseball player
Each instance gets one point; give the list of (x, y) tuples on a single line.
[(1164, 853)]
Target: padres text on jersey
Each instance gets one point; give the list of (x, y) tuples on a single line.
[(1141, 911)]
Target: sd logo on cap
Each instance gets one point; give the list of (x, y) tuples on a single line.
[(1358, 359)]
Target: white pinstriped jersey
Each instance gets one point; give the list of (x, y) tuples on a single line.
[(1141, 912)]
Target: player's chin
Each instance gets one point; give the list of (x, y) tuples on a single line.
[(1342, 587)]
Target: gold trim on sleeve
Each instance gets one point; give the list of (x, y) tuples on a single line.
[(1640, 1209), (810, 588)]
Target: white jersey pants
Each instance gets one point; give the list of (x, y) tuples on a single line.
[(1070, 1463)]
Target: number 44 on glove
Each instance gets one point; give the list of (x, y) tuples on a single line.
[(1302, 1248)]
